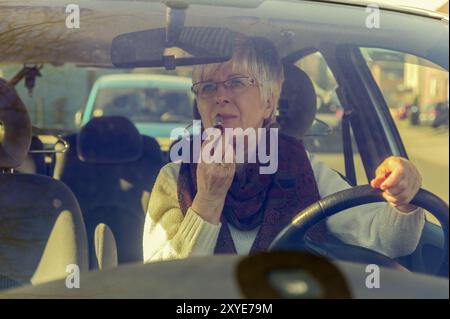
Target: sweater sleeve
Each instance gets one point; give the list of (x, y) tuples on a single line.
[(377, 226), (168, 234)]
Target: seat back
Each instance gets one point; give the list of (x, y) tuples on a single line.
[(297, 104), (105, 247), (41, 226), (111, 168), (34, 162)]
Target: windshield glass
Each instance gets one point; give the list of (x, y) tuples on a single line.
[(144, 105), (169, 131)]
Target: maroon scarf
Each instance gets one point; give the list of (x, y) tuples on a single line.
[(269, 201)]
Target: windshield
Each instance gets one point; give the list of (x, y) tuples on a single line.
[(139, 133), (144, 105)]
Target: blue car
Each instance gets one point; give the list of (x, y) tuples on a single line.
[(155, 103)]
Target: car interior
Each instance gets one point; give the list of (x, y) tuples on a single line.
[(111, 168), (80, 197)]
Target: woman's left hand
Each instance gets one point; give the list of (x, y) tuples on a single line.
[(399, 180)]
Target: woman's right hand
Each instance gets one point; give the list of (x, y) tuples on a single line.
[(213, 182)]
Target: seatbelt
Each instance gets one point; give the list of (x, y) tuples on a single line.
[(350, 173), (348, 150)]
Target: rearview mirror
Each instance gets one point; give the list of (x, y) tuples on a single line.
[(151, 48)]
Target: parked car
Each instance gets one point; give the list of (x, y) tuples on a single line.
[(119, 169), (410, 112), (155, 103), (435, 115), (441, 115), (403, 111)]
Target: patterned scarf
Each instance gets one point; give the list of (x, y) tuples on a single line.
[(268, 201)]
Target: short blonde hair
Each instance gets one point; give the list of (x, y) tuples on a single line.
[(259, 57)]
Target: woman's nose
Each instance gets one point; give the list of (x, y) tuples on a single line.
[(222, 95)]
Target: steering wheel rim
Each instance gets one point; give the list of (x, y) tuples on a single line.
[(356, 196)]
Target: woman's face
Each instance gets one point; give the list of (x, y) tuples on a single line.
[(238, 108)]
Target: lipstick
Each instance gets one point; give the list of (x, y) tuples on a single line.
[(218, 122)]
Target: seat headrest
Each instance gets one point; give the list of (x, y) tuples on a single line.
[(109, 139), (297, 105), (15, 128)]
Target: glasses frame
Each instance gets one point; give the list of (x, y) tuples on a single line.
[(251, 82)]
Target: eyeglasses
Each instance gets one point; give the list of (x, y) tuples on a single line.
[(236, 85)]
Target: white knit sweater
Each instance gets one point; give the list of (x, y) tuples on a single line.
[(170, 235)]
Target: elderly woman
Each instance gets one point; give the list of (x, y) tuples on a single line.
[(209, 208)]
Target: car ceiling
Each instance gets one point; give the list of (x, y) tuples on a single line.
[(35, 31)]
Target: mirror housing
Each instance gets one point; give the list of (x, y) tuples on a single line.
[(151, 48)]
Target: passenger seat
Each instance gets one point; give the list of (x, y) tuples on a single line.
[(34, 163), (111, 168), (41, 226)]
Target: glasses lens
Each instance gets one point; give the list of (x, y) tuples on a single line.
[(236, 83), (207, 88)]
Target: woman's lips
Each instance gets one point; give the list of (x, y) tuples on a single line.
[(227, 116)]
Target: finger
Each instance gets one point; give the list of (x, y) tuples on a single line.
[(210, 138), (394, 192), (398, 173), (382, 169), (212, 141), (226, 146), (229, 155), (378, 180), (381, 173), (402, 199), (400, 187), (390, 199)]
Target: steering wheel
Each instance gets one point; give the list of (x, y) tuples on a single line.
[(294, 235)]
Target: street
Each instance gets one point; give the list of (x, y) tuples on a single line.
[(428, 149)]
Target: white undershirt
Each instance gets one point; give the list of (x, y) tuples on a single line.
[(244, 238)]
